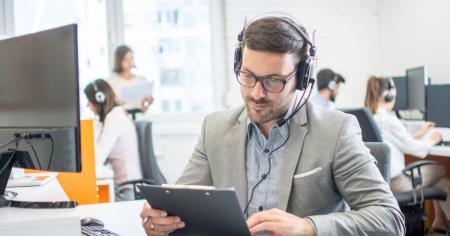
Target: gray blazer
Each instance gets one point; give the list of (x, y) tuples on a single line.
[(325, 167)]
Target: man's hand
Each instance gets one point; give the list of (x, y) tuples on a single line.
[(156, 222), (278, 222)]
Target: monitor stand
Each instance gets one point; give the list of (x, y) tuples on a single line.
[(7, 160)]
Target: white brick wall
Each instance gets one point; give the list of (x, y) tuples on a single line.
[(347, 38), (413, 33), (357, 38)]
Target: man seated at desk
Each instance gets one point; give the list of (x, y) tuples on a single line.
[(296, 167)]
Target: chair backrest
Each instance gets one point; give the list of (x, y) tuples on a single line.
[(149, 165), (382, 154), (369, 129)]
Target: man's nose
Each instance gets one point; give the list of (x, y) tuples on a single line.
[(258, 91)]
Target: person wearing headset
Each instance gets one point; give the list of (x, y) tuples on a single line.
[(294, 166), (328, 86), (117, 144), (122, 77), (380, 100)]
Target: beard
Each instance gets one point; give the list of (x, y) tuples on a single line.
[(267, 114), (332, 97)]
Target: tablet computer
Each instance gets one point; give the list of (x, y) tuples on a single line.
[(204, 211)]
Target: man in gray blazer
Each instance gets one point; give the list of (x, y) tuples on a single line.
[(298, 169)]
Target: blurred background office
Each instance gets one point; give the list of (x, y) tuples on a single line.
[(186, 48)]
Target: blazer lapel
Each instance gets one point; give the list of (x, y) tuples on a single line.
[(236, 146), (298, 131)]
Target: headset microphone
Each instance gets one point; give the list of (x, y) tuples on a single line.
[(304, 79), (297, 109)]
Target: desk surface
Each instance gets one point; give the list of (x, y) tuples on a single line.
[(119, 217), (443, 151), (51, 191)]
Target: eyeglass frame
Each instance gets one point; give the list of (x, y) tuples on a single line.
[(263, 78)]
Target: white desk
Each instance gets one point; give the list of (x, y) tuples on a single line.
[(119, 217), (443, 151), (105, 177), (52, 191)]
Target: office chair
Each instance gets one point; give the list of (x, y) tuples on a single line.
[(369, 129), (382, 154), (151, 174), (133, 113), (410, 202)]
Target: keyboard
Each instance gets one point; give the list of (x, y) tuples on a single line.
[(96, 231)]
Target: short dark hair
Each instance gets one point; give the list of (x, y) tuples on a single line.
[(276, 34), (325, 76), (110, 97), (120, 53)]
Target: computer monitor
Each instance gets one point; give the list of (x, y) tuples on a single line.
[(438, 97), (39, 102), (417, 79), (401, 100)]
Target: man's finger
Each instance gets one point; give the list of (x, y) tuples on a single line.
[(166, 220), (270, 215)]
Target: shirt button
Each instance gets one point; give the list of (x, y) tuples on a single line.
[(266, 150)]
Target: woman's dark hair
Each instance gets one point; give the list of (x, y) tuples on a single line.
[(110, 97), (375, 88), (120, 53)]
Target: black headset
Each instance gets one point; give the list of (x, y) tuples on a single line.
[(305, 68), (99, 96), (389, 97), (304, 79)]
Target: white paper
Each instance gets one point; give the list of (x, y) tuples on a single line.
[(137, 92)]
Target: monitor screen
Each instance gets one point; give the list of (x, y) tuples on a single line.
[(39, 98), (438, 97), (417, 79), (39, 80), (401, 100)]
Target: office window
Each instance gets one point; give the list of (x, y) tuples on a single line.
[(171, 44), (36, 15), (171, 77), (178, 105)]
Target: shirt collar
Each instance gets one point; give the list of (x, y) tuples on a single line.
[(284, 129)]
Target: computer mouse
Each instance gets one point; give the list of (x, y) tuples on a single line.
[(89, 221)]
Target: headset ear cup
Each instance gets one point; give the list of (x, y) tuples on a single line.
[(388, 97), (304, 73), (301, 76), (100, 97), (331, 85), (237, 58)]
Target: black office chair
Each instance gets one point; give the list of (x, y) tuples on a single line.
[(410, 202), (151, 174), (133, 113), (369, 129)]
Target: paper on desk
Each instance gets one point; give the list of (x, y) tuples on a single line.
[(33, 179), (137, 92)]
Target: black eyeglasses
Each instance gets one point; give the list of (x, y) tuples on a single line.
[(269, 83)]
